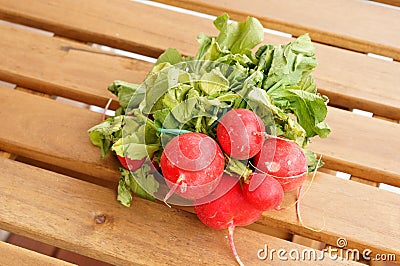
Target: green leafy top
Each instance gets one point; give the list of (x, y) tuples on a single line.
[(192, 93)]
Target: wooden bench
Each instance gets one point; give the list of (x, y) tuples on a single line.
[(73, 206)]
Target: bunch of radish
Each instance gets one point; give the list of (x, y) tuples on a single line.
[(193, 167)]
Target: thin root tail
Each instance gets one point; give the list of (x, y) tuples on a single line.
[(231, 229)]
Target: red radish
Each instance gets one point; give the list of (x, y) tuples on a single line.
[(238, 133), (130, 164), (133, 165), (194, 163), (284, 160), (230, 209), (267, 196)]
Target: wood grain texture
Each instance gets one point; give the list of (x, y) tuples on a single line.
[(16, 256), (349, 79), (304, 241), (389, 2), (347, 209), (38, 125), (70, 213), (64, 68), (328, 191), (354, 25), (347, 149), (86, 218), (357, 140), (122, 24)]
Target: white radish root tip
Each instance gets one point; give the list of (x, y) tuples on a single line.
[(103, 117), (173, 189), (231, 229)]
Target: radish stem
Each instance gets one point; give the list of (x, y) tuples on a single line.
[(172, 131), (231, 228)]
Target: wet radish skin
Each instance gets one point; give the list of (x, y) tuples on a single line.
[(197, 159), (284, 160), (230, 209), (238, 133), (267, 196), (130, 164)]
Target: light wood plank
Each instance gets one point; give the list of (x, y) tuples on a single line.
[(327, 191), (64, 68), (363, 181), (86, 218), (349, 79), (16, 256), (113, 183), (308, 242), (354, 25), (34, 92), (348, 149), (122, 24), (344, 209), (361, 146), (56, 127)]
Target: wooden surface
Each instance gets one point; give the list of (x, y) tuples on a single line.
[(92, 220), (367, 158), (15, 256), (64, 61), (81, 156), (57, 134), (350, 149), (389, 2), (40, 131), (355, 25), (348, 78), (325, 201)]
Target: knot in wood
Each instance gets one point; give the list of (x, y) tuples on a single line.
[(100, 219)]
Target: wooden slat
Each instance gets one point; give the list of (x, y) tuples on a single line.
[(351, 210), (363, 181), (348, 149), (113, 183), (31, 244), (389, 2), (52, 132), (34, 92), (349, 79), (361, 146), (122, 24), (354, 25), (7, 155), (64, 68), (15, 256), (84, 157), (358, 81), (78, 259), (86, 218), (308, 242)]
